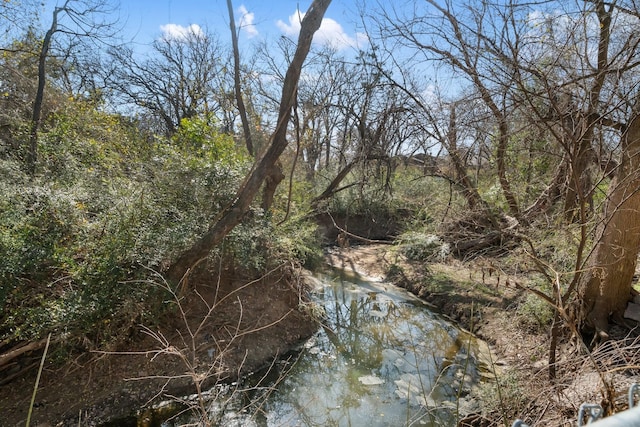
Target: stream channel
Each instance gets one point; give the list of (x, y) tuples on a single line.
[(383, 358)]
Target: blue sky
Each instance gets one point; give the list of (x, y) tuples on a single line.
[(146, 20)]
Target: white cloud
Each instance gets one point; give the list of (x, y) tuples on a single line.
[(246, 22), (330, 33), (178, 32)]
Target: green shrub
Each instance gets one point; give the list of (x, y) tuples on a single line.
[(297, 240), (37, 225), (78, 240), (504, 397), (259, 244)]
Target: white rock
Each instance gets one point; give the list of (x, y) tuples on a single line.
[(426, 401), (371, 380)]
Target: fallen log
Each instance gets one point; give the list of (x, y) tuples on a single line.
[(21, 349)]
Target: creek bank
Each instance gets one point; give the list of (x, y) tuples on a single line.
[(96, 387), (258, 322), (481, 296)]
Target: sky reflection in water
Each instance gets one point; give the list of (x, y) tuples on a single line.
[(383, 360)]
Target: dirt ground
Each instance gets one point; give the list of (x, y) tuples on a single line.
[(229, 328), (223, 329)]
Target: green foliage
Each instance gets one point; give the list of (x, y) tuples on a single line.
[(198, 137), (48, 263), (81, 143), (558, 245), (297, 240), (109, 204), (533, 312), (529, 164), (247, 245), (18, 84), (258, 244), (418, 192), (36, 222), (429, 199)]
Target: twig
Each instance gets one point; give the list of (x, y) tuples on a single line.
[(35, 388)]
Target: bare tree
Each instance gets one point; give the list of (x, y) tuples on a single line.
[(13, 15), (237, 82), (460, 44), (348, 123), (82, 20), (568, 74), (447, 126), (574, 96), (183, 76), (589, 92), (368, 128), (18, 72), (522, 72)]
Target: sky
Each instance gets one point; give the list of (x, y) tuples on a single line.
[(146, 20)]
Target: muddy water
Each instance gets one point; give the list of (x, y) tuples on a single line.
[(381, 359)]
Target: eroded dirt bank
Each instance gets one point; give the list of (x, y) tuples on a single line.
[(221, 329)]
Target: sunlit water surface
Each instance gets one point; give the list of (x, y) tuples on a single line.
[(382, 359)]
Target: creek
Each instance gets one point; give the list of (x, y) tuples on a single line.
[(382, 358)]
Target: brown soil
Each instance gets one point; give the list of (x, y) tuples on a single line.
[(250, 325), (254, 322)]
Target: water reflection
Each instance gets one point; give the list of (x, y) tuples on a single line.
[(382, 359)]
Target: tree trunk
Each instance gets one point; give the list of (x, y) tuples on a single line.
[(333, 185), (469, 189), (605, 287), (36, 117), (579, 192), (237, 83), (501, 156), (274, 177), (232, 214)]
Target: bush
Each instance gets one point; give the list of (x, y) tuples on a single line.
[(504, 397), (259, 245), (78, 239), (38, 225), (297, 240)]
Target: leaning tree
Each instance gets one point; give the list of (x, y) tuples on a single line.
[(232, 215)]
